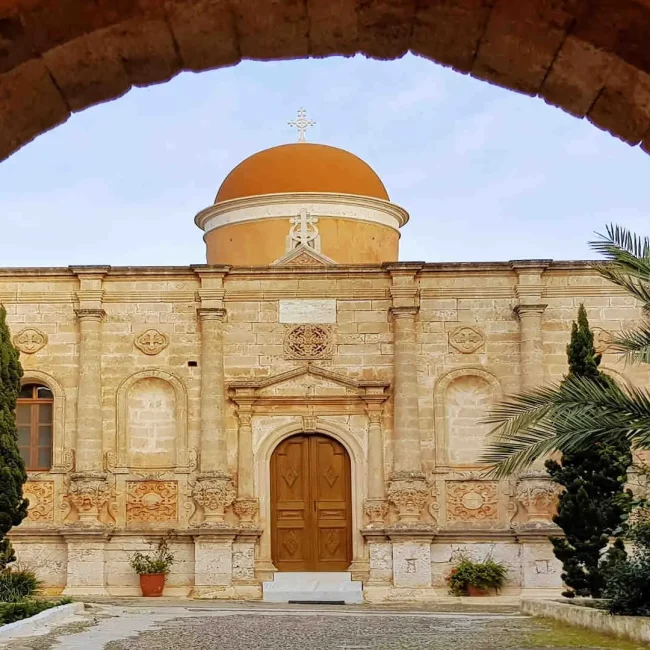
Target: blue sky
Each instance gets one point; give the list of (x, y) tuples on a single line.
[(486, 174)]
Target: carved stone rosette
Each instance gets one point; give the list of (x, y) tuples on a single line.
[(376, 511), (408, 492), (88, 494), (246, 510), (538, 494), (214, 492)]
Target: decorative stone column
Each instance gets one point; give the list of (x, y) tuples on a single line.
[(408, 489), (89, 490), (246, 505), (532, 352), (376, 506), (213, 558), (214, 489)]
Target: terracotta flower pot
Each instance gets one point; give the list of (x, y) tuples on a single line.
[(477, 591), (152, 584)]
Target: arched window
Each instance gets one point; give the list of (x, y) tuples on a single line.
[(34, 421)]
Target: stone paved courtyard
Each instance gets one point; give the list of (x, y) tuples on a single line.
[(248, 627)]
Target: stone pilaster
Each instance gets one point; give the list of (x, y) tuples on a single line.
[(246, 506), (214, 492), (89, 491), (89, 447), (214, 452), (376, 506), (530, 291), (532, 351)]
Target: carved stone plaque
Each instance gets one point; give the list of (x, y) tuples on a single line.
[(472, 501), (308, 311), (151, 501), (41, 500), (308, 342), (466, 339), (30, 340), (151, 342)]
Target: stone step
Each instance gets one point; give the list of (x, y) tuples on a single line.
[(303, 586)]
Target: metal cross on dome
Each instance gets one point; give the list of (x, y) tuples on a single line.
[(302, 124)]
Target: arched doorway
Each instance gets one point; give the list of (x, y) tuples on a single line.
[(311, 504)]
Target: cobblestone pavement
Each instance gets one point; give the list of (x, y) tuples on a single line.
[(114, 627)]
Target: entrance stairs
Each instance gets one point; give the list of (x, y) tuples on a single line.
[(313, 587)]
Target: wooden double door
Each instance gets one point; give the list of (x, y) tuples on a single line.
[(311, 505)]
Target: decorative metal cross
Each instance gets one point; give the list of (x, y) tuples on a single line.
[(303, 229), (302, 124)]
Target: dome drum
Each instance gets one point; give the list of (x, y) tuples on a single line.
[(321, 198)]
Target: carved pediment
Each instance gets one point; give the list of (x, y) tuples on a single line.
[(307, 382), (303, 256)]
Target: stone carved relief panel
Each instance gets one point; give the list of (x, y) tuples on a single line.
[(151, 501), (466, 339), (30, 340), (151, 342), (41, 500), (308, 342), (472, 501)]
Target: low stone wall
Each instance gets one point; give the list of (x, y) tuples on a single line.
[(635, 628), (36, 623)]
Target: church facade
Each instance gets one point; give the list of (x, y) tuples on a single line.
[(304, 402)]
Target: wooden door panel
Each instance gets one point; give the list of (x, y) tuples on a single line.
[(330, 482), (311, 505), (290, 498)]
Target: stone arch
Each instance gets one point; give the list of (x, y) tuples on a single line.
[(61, 448), (358, 469), (441, 426), (181, 413), (590, 59)]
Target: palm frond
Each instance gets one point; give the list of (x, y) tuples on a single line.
[(565, 417), (634, 344)]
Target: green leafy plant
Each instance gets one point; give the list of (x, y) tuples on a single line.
[(16, 585), (13, 508), (12, 612), (159, 561), (628, 580), (594, 499), (487, 574)]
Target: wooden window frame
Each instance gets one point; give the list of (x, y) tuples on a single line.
[(35, 402)]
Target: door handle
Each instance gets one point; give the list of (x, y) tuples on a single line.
[(315, 509)]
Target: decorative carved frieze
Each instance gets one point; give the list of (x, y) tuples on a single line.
[(151, 501), (538, 494), (151, 342), (308, 342), (41, 500), (214, 492), (466, 339), (30, 340), (376, 511), (408, 492), (472, 501), (246, 510)]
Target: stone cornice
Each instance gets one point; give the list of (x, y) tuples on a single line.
[(322, 205)]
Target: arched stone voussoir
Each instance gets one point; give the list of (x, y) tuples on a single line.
[(60, 56)]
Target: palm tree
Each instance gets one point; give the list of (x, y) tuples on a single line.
[(578, 412)]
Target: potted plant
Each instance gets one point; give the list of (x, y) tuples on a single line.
[(153, 568), (470, 578)]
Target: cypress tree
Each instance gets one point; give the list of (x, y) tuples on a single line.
[(594, 500), (13, 508)]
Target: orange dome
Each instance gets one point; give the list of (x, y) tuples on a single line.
[(301, 167)]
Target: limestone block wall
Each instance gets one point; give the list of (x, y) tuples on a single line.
[(294, 349)]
